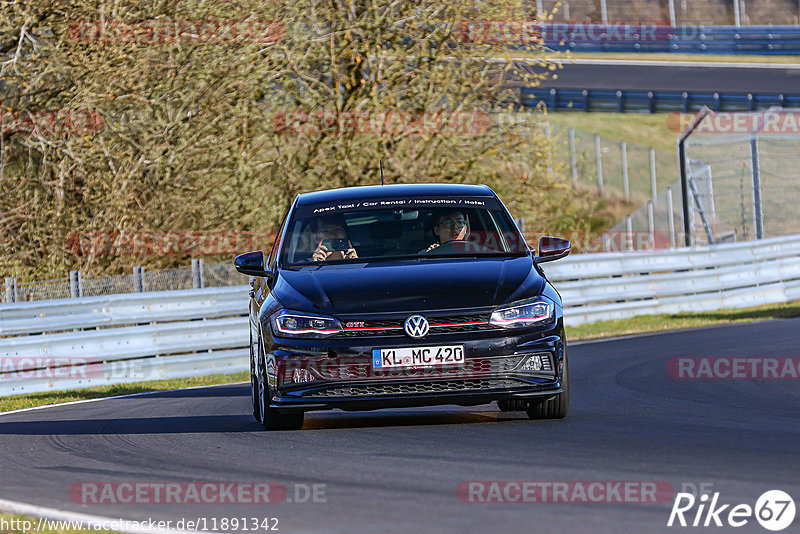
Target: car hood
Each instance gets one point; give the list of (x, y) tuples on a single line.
[(407, 286)]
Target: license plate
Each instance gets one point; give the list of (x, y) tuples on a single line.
[(418, 357)]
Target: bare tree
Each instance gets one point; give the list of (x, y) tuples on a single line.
[(198, 115)]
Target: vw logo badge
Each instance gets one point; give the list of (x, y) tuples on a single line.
[(417, 326)]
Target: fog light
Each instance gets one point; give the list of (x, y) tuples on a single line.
[(301, 375), (534, 363)]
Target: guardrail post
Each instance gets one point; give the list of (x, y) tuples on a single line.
[(573, 160), (138, 279), (651, 105), (686, 107), (553, 100), (717, 102), (653, 185), (11, 289), (628, 233), (197, 273), (599, 160), (625, 185), (75, 285), (620, 102), (672, 19), (751, 102), (585, 94), (670, 218), (758, 216)]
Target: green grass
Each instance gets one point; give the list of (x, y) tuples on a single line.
[(17, 402), (644, 129), (658, 323)]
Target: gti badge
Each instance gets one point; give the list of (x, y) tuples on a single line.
[(417, 326)]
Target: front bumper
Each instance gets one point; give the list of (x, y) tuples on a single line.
[(337, 373)]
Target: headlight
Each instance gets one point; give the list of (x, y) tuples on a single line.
[(527, 312), (298, 324)]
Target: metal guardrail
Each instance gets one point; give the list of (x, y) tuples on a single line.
[(622, 101), (766, 40), (621, 285), (116, 310), (80, 342), (73, 343)]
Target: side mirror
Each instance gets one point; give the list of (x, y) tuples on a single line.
[(552, 248), (252, 263)]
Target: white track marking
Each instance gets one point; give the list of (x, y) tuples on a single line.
[(63, 515)]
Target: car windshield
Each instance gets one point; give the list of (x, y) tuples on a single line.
[(381, 229)]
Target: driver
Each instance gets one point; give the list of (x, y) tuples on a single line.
[(330, 228), (451, 225)]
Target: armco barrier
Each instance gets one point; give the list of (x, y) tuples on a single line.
[(622, 101), (621, 285), (760, 40), (171, 334)]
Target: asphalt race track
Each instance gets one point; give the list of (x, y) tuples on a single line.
[(651, 76), (397, 471)]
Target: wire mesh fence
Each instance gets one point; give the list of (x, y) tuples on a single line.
[(676, 12), (613, 167), (743, 187), (217, 274)]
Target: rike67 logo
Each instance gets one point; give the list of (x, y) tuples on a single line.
[(774, 510)]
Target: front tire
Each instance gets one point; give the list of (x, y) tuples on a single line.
[(272, 419), (554, 407), (254, 381)]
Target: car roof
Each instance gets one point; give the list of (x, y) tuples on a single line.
[(393, 191)]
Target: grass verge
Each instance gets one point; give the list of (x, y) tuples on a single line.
[(659, 323), (640, 128), (17, 402)]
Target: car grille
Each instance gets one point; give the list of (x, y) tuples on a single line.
[(432, 386), (442, 324), (473, 367)]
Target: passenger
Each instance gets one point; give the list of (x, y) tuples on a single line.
[(452, 225), (333, 229)]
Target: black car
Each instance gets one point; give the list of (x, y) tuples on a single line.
[(403, 295)]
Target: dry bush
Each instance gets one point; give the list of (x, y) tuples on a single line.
[(186, 138)]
